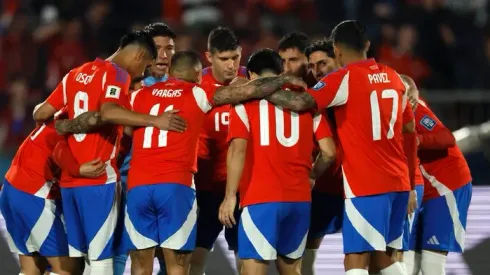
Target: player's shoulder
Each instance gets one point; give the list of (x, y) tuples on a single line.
[(334, 76), (120, 74), (242, 71)]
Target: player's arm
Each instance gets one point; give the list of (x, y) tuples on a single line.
[(45, 111), (325, 157), (235, 161), (65, 159), (432, 134), (258, 88), (331, 91), (83, 123)]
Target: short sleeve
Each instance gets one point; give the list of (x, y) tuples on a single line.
[(115, 84), (332, 90), (57, 98), (407, 114), (425, 120), (321, 128), (203, 98), (133, 102), (239, 126)]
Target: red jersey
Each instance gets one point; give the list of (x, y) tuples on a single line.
[(84, 89), (330, 182), (444, 170), (278, 158), (167, 157), (371, 106), (32, 169), (212, 140)]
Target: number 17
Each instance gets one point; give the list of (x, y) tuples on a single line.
[(376, 115)]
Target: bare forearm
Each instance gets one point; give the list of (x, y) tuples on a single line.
[(83, 123), (321, 164), (118, 115), (294, 101), (258, 88), (234, 168)]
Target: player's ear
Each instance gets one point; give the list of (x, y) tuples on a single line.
[(208, 57), (367, 45)]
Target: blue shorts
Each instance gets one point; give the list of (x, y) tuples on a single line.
[(161, 215), (442, 221), (92, 220), (208, 224), (327, 213), (411, 222), (372, 223), (33, 224), (276, 228)]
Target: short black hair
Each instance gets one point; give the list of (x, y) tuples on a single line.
[(350, 33), (184, 59), (141, 38), (325, 45), (222, 39), (294, 40), (264, 60), (160, 29)]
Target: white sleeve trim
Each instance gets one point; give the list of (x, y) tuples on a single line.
[(63, 84), (201, 99), (316, 122), (242, 114), (133, 97), (342, 93)]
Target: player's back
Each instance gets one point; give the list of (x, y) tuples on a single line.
[(370, 129), (86, 88), (278, 153), (32, 166), (161, 156)]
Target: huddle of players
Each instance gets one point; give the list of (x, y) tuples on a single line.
[(273, 173)]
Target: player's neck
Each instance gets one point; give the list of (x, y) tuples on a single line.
[(216, 77), (118, 59), (353, 58)]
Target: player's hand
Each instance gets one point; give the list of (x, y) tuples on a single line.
[(412, 202), (227, 211), (295, 81), (417, 141), (92, 169), (170, 121)]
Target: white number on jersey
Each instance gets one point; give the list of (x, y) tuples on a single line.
[(162, 136), (279, 116), (376, 114), (80, 106), (221, 119), (35, 134)]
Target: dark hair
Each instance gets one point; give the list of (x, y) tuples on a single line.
[(160, 29), (222, 39), (184, 59), (141, 38), (293, 40), (350, 33), (264, 60), (325, 46)]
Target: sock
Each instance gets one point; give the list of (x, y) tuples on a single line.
[(52, 273), (394, 269), (357, 272), (433, 263), (102, 267), (120, 264), (404, 267), (22, 274), (308, 262), (412, 262)]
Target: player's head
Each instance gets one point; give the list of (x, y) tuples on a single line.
[(412, 90), (349, 41), (136, 83), (291, 48), (321, 58), (264, 62), (138, 50), (186, 65), (164, 39), (224, 53)]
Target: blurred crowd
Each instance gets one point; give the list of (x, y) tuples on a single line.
[(442, 44)]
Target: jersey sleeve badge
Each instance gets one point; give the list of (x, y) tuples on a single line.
[(428, 122), (319, 85), (112, 91)]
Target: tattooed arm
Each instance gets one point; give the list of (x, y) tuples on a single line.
[(258, 88), (83, 123), (294, 101)]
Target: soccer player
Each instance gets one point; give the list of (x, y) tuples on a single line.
[(370, 107), (291, 48), (321, 58), (273, 172), (447, 195), (30, 199), (164, 39), (224, 54), (327, 198), (91, 205), (161, 205)]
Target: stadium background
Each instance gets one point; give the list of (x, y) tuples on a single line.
[(443, 44)]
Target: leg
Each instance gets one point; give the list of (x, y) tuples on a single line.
[(32, 264), (142, 261), (198, 260), (161, 261), (177, 262), (412, 260), (254, 267), (64, 265), (287, 266), (120, 264), (231, 236)]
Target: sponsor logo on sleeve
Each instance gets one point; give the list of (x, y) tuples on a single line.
[(112, 91), (319, 85), (428, 122)]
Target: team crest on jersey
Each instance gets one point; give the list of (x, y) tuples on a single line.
[(428, 122), (319, 85), (112, 91)]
